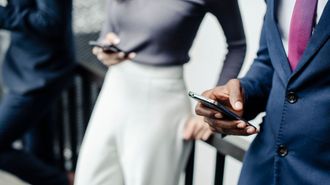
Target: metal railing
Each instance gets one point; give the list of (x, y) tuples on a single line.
[(232, 146), (72, 111)]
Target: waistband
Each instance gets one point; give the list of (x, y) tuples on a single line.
[(132, 68)]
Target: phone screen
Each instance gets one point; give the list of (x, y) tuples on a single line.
[(212, 104)]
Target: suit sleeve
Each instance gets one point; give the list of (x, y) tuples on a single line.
[(228, 14), (258, 81), (48, 18)]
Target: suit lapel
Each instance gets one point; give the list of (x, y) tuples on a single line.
[(320, 36), (280, 60), (277, 51)]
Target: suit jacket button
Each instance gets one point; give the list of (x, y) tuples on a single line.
[(292, 97), (282, 150)]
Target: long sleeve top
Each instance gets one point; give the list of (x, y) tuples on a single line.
[(41, 45), (162, 32)]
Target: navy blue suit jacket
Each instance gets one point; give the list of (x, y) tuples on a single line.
[(41, 49), (293, 146)]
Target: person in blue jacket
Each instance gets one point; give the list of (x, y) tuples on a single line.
[(38, 63), (289, 80)]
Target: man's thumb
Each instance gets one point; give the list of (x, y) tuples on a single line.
[(235, 94)]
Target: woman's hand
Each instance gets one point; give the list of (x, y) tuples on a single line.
[(110, 59), (197, 129)]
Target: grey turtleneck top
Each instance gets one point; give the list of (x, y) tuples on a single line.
[(161, 32)]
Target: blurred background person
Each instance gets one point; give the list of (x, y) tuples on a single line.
[(135, 135), (36, 68)]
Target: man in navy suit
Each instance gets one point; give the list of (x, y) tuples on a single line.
[(289, 80), (37, 66)]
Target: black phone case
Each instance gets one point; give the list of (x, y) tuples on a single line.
[(107, 48), (218, 107)]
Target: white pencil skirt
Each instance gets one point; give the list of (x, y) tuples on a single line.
[(135, 135)]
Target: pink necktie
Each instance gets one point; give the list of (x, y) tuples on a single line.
[(301, 26)]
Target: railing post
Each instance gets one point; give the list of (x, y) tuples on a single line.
[(219, 169), (189, 178)]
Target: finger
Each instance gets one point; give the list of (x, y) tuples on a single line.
[(203, 131), (235, 94), (188, 130), (100, 56), (108, 59), (213, 129), (131, 55), (121, 55), (205, 111), (218, 115), (224, 124), (219, 96), (241, 125), (237, 132), (117, 56), (207, 93), (251, 130), (199, 134), (229, 127), (199, 130), (207, 135), (248, 130), (112, 38), (220, 93), (217, 130), (103, 56), (96, 50)]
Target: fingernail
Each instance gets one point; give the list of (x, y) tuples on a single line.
[(238, 105), (218, 115), (116, 41), (132, 55), (121, 54), (250, 130), (241, 124)]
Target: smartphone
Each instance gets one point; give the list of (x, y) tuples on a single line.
[(212, 104), (107, 48)]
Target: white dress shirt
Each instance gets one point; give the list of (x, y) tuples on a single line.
[(284, 13)]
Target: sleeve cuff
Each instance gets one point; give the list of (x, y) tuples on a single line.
[(245, 85)]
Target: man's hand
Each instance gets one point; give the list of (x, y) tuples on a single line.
[(197, 129), (110, 59), (232, 96)]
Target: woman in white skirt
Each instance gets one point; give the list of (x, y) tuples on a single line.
[(142, 120)]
